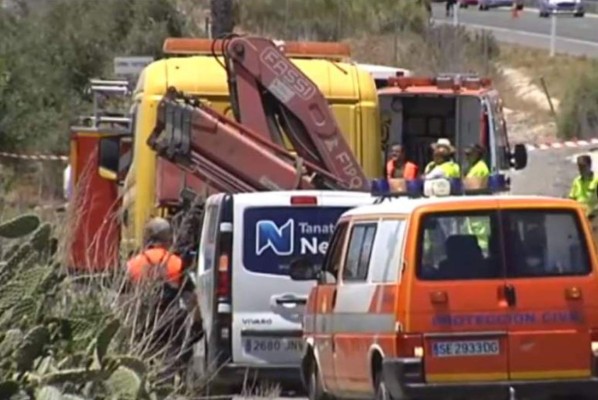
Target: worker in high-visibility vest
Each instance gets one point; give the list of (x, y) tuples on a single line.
[(442, 165), (398, 166), (477, 168), (584, 186)]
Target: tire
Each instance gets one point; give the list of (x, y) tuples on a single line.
[(197, 367), (315, 390), (199, 375), (381, 390), (579, 15)]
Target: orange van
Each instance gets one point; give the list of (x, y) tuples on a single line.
[(466, 297)]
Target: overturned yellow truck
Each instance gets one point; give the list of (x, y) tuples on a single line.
[(152, 185)]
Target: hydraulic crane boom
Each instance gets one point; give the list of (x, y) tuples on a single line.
[(225, 154), (268, 92)]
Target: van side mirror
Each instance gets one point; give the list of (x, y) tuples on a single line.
[(519, 157), (108, 158), (302, 269)]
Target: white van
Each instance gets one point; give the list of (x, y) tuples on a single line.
[(252, 311)]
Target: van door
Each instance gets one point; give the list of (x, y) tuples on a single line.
[(468, 124), (213, 279), (326, 293), (553, 299), (456, 303), (268, 306)]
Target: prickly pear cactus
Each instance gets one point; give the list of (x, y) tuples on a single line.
[(19, 226), (124, 384), (32, 347), (8, 389), (48, 393), (11, 251), (40, 240)]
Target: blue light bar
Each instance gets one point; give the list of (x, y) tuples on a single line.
[(415, 187), (497, 183), (380, 187), (456, 186)]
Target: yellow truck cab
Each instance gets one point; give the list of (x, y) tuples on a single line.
[(411, 303), (152, 183)]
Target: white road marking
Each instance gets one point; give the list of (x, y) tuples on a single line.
[(523, 33), (531, 10)]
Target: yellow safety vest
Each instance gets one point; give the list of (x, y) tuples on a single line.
[(450, 168), (584, 192), (478, 170), (480, 227)]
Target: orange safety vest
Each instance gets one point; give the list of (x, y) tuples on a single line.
[(156, 257), (409, 170)]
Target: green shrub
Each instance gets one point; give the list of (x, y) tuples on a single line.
[(578, 117)]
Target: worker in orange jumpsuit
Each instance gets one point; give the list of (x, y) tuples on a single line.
[(156, 260), (398, 166)]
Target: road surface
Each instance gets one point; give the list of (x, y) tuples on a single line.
[(575, 36)]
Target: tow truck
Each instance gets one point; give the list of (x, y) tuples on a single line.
[(275, 109), (196, 67)]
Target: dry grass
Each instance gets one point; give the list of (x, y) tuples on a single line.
[(557, 72)]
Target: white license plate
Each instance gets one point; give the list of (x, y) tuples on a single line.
[(261, 345), (465, 348)]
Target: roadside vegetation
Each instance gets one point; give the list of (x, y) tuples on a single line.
[(62, 336), (571, 81)]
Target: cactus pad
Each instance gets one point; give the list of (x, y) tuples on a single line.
[(48, 393), (32, 347), (8, 389), (10, 342), (105, 337), (124, 384), (19, 226), (41, 237), (11, 251)]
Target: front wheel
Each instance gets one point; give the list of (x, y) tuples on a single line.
[(381, 390), (315, 389)]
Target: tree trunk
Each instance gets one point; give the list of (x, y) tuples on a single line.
[(222, 17)]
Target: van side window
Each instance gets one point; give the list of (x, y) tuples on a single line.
[(359, 252), (387, 254), (459, 246), (544, 243), (334, 254)]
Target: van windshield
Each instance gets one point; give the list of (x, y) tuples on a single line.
[(505, 244), (274, 236)]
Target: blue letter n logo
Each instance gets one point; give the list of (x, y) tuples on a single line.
[(279, 239)]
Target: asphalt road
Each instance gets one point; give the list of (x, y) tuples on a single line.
[(574, 36)]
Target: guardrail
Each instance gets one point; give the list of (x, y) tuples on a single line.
[(591, 5)]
